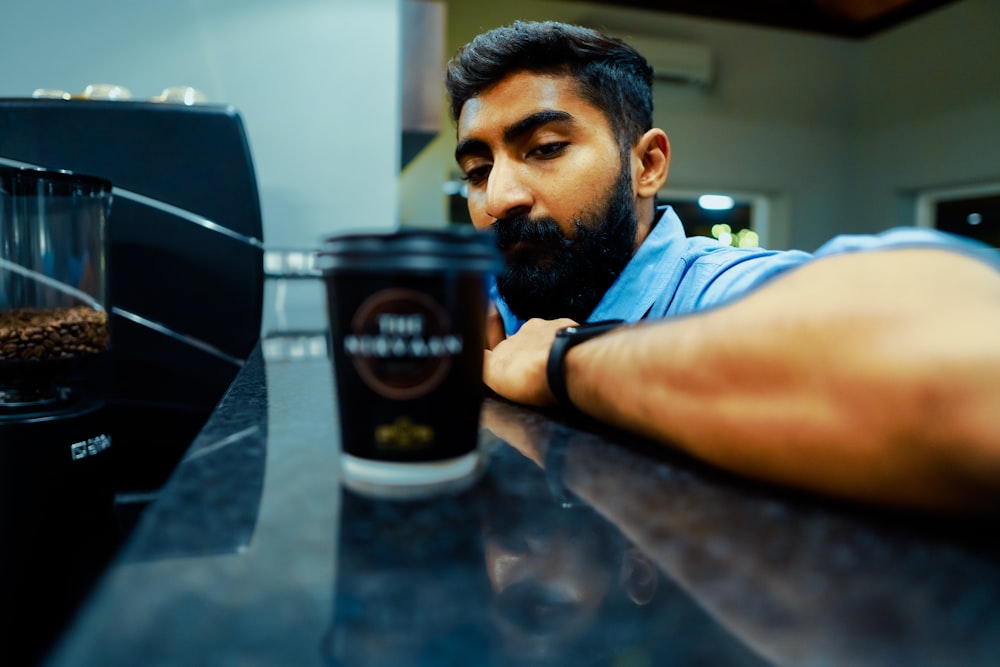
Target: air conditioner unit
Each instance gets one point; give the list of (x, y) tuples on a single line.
[(675, 61)]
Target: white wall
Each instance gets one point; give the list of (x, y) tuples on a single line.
[(928, 111), (316, 81), (822, 125)]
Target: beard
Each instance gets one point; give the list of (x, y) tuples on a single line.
[(548, 275)]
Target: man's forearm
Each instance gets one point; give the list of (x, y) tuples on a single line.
[(874, 377)]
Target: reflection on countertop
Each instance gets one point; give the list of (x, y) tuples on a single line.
[(578, 546)]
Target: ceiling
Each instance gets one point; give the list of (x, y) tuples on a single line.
[(855, 19)]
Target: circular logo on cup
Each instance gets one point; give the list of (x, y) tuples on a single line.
[(401, 343)]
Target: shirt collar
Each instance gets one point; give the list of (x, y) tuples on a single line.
[(648, 275)]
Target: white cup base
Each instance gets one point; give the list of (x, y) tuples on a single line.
[(391, 479)]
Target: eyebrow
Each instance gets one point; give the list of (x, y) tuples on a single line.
[(514, 132)]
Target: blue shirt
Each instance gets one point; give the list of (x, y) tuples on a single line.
[(673, 274)]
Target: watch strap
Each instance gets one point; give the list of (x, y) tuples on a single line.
[(564, 341)]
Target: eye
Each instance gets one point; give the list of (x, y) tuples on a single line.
[(549, 150), (477, 176)]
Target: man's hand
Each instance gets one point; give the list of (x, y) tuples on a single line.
[(515, 367)]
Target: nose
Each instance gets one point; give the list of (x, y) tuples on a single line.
[(507, 191)]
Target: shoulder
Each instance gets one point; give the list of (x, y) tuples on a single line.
[(676, 274), (900, 237), (910, 237), (715, 274)]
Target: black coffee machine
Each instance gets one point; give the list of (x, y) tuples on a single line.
[(185, 253), (56, 503), (183, 310)]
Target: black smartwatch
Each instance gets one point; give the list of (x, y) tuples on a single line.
[(565, 339)]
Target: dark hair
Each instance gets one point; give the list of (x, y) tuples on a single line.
[(609, 73)]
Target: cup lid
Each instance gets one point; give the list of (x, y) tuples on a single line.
[(411, 249)]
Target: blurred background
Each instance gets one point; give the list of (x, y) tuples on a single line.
[(814, 117)]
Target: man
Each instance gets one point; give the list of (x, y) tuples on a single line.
[(868, 370)]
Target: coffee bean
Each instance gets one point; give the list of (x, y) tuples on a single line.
[(56, 333)]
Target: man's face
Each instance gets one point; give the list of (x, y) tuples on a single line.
[(545, 171)]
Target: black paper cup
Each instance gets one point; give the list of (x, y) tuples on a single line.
[(407, 330)]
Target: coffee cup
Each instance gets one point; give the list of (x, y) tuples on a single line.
[(407, 326)]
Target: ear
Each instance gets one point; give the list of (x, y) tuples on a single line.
[(652, 153), (639, 576)]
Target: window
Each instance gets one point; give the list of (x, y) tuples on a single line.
[(972, 211), (739, 219)]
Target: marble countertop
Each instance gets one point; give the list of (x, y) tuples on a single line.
[(578, 546)]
